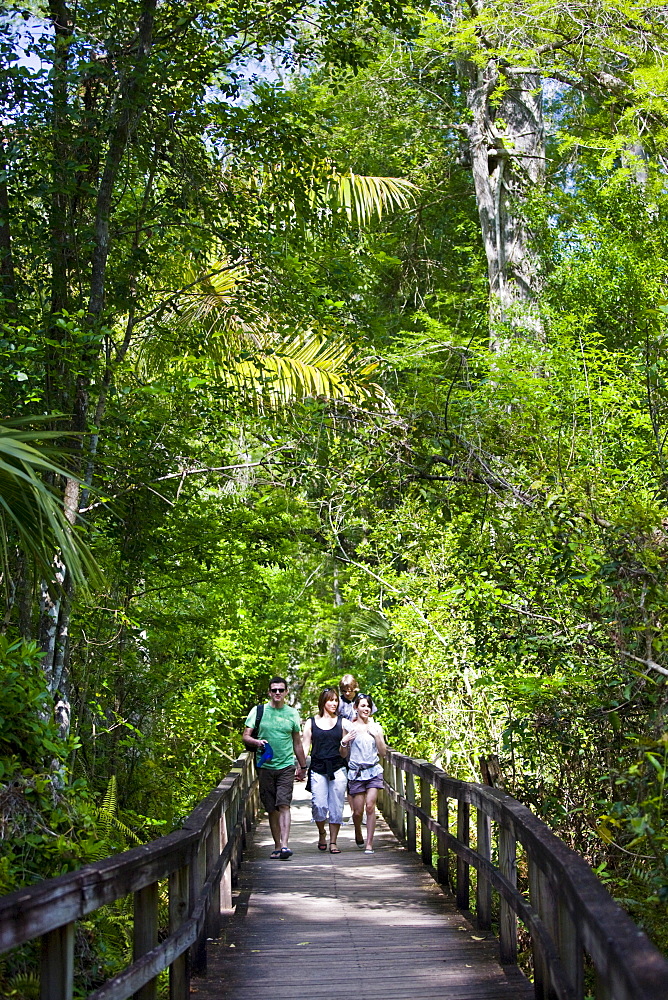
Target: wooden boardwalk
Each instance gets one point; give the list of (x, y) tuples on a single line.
[(321, 926)]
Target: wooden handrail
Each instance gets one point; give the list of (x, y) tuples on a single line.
[(200, 861), (568, 914)]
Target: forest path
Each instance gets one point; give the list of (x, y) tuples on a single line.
[(321, 926)]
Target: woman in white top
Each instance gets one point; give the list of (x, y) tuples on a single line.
[(365, 744)]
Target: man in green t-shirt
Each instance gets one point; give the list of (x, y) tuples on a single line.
[(280, 727)]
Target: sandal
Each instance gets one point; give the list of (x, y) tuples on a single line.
[(275, 854), (285, 853), (322, 845), (333, 849), (360, 842)]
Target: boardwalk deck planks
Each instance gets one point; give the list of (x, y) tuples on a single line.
[(322, 925)]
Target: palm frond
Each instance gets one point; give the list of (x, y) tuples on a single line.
[(305, 366), (362, 196), (210, 300), (32, 512), (368, 624)]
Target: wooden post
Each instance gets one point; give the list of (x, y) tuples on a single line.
[(226, 877), (507, 918), (483, 892), (179, 970), (212, 854), (410, 817), (57, 966), (602, 988), (463, 836), (392, 805), (425, 806), (197, 878), (248, 811), (382, 796), (541, 973), (145, 933), (570, 950), (233, 814), (401, 815), (442, 816)]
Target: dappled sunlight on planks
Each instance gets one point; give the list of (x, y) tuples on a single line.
[(318, 923)]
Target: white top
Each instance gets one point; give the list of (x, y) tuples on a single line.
[(363, 758)]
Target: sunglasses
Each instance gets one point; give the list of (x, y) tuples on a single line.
[(277, 690)]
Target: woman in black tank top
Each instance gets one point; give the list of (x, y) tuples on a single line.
[(327, 776)]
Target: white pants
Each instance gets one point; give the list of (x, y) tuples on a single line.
[(328, 796)]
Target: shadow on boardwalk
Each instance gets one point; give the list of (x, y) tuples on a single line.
[(321, 927)]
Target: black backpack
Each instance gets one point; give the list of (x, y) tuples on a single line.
[(259, 712)]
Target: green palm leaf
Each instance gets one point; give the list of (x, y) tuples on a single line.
[(269, 371), (31, 512), (308, 365), (362, 196)]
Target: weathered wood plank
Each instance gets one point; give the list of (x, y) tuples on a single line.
[(316, 925), (179, 903), (145, 933), (411, 841), (425, 832), (483, 886), (463, 834), (57, 966)]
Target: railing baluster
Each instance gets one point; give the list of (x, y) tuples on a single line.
[(394, 806), (212, 852), (401, 814), (483, 892), (179, 902), (226, 877), (57, 965), (507, 918), (410, 817), (145, 933), (602, 989), (234, 855), (197, 877), (383, 797), (463, 836), (442, 815), (425, 806), (541, 976), (570, 950)]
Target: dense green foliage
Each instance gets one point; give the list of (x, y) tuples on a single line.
[(298, 448)]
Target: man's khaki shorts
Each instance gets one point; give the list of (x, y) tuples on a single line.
[(276, 787)]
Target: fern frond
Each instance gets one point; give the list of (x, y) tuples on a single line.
[(110, 800)]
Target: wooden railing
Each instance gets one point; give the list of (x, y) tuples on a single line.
[(200, 862), (568, 913)]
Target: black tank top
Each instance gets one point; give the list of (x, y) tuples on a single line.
[(325, 756)]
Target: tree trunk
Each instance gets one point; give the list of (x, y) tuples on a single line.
[(507, 148), (55, 612), (7, 278)]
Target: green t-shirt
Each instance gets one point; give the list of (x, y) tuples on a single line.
[(277, 726)]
